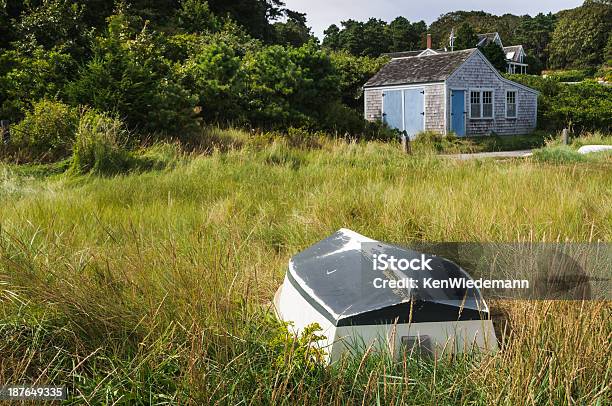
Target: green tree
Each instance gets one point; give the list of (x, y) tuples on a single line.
[(195, 16), (294, 31), (495, 54), (534, 34), (480, 21), (466, 37), (332, 38), (26, 77), (288, 86), (353, 72), (131, 78), (214, 75), (54, 24), (400, 31), (405, 36), (580, 36), (254, 15), (358, 38)]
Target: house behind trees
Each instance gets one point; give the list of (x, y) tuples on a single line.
[(441, 91), (515, 54)]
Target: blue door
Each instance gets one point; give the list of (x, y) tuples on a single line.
[(392, 109), (458, 112), (414, 114)]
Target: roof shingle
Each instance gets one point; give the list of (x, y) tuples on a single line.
[(419, 69)]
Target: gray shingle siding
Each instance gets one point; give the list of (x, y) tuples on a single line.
[(434, 108), (373, 104), (476, 73), (473, 73)]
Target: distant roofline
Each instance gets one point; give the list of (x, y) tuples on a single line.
[(439, 51)]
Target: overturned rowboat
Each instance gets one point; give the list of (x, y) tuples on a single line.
[(346, 285)]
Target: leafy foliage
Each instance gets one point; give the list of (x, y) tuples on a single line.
[(581, 35), (254, 15), (214, 75), (129, 76), (26, 77), (353, 72), (534, 34), (466, 37), (46, 133), (54, 24), (292, 32), (495, 54), (375, 36), (480, 22), (582, 106), (288, 86), (195, 16)]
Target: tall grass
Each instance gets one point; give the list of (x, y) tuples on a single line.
[(154, 287)]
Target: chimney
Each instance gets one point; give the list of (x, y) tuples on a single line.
[(428, 41)]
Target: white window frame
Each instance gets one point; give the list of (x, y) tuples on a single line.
[(481, 100), (515, 104)]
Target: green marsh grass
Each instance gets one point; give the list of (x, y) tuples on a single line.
[(154, 287)]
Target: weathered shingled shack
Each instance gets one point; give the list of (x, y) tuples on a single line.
[(458, 92)]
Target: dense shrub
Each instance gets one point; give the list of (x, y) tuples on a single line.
[(288, 86), (129, 76), (585, 106), (572, 75), (213, 74), (26, 77), (353, 72), (100, 145), (46, 133), (580, 36)]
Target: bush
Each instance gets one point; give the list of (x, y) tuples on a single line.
[(377, 130), (46, 133), (288, 86), (129, 76), (99, 145), (585, 106), (573, 75)]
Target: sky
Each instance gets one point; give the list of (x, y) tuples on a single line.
[(322, 13)]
